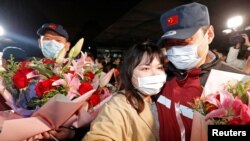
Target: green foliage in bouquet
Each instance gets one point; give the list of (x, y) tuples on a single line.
[(240, 89), (10, 69), (33, 83), (35, 101)]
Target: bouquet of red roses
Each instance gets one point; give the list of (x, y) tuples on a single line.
[(64, 91)]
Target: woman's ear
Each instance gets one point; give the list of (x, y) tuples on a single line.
[(210, 33)]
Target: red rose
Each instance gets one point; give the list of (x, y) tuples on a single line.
[(24, 64), (20, 79), (85, 87), (54, 78), (89, 76), (43, 87), (94, 100), (48, 61)]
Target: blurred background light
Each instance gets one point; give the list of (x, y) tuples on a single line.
[(1, 31), (235, 22), (227, 31)]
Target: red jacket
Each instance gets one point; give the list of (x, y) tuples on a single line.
[(182, 87), (182, 92)]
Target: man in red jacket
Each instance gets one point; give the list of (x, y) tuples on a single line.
[(187, 35)]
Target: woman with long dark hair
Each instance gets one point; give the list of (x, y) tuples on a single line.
[(128, 115)]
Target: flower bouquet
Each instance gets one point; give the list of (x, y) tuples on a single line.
[(225, 101), (45, 94)]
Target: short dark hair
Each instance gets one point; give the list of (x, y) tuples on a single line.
[(132, 59)]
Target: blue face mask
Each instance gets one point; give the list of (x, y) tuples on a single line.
[(184, 57), (51, 48)]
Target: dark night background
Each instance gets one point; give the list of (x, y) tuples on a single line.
[(106, 24)]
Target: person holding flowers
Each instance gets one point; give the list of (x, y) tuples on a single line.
[(53, 39), (187, 35), (69, 86), (128, 115)]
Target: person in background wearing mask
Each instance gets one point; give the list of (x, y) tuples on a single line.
[(128, 115), (187, 35), (53, 38)]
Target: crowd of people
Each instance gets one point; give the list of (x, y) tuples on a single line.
[(154, 80)]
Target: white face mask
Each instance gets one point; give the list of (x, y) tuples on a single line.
[(51, 48), (151, 85), (184, 57)]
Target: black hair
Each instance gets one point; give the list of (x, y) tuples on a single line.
[(131, 60)]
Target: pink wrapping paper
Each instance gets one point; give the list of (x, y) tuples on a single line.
[(58, 111), (20, 129), (199, 128)]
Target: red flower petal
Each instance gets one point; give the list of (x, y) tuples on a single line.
[(85, 87)]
